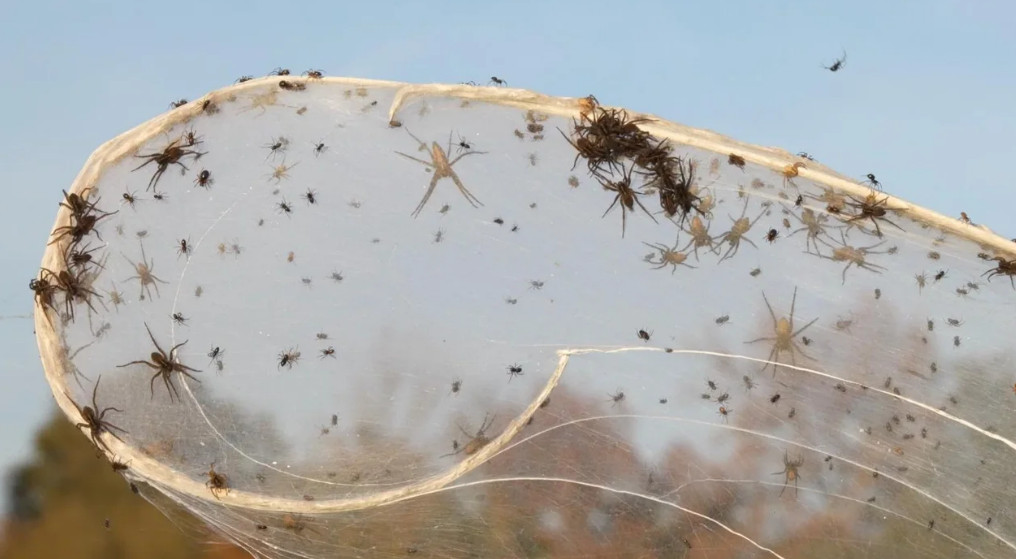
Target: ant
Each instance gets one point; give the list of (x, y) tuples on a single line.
[(314, 74), (840, 62), (498, 81), (129, 198), (643, 335), (873, 181), (204, 179), (514, 371)]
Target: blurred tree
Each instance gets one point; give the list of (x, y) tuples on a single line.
[(61, 501)]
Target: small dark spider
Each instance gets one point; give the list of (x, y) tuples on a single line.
[(320, 148), (328, 352), (643, 335), (497, 81), (736, 160), (178, 103), (805, 155), (217, 483), (94, 419), (159, 196), (939, 275), (456, 386), (314, 74), (79, 257), (276, 146), (284, 207), (184, 247), (119, 466), (725, 412), (165, 364), (711, 385), (954, 322), (723, 397), (291, 86), (617, 397), (771, 235), (515, 228), (498, 221), (129, 198), (43, 292), (477, 441), (956, 341), (774, 398), (1004, 268), (464, 145), (215, 353), (179, 318), (723, 319), (289, 358), (799, 201), (310, 196), (279, 72), (790, 471), (514, 371), (242, 79), (204, 179), (840, 62), (806, 340)]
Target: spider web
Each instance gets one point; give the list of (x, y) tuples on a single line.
[(398, 424)]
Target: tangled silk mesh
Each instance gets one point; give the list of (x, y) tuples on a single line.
[(512, 367)]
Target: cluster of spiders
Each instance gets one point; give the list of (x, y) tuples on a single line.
[(172, 154), (78, 272), (605, 138)]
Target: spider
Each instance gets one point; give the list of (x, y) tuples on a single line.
[(442, 168), (128, 198), (94, 419), (617, 397), (145, 275), (643, 335), (83, 225), (497, 81), (790, 472), (217, 483), (871, 208), (772, 235), (277, 146), (289, 358), (789, 172), (628, 197), (280, 172), (785, 334), (736, 234), (204, 179), (170, 155), (80, 257), (854, 256), (328, 352), (1004, 268), (179, 318), (314, 74), (840, 62), (165, 365), (476, 442), (310, 196), (669, 256), (699, 236), (279, 72), (463, 145), (73, 286), (43, 291), (736, 160), (514, 371)]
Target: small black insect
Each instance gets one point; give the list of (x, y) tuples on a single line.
[(723, 319), (515, 228), (806, 340), (712, 385), (285, 207), (771, 235), (723, 397), (310, 196), (940, 275), (179, 318), (755, 272), (873, 181), (956, 341), (799, 201), (497, 81), (184, 247), (328, 352), (514, 371), (204, 179), (663, 400), (838, 65), (774, 398), (179, 103), (159, 196), (643, 335), (215, 353), (498, 221), (320, 148)]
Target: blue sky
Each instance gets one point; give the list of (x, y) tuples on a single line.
[(925, 100)]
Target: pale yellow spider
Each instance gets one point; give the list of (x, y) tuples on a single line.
[(442, 169), (785, 334)]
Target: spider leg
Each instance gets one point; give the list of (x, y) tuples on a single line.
[(153, 340), (759, 340), (426, 196), (465, 192), (639, 202), (803, 328), (152, 365), (188, 375), (453, 161), (770, 307), (847, 267), (797, 348), (427, 163), (749, 241), (616, 198)]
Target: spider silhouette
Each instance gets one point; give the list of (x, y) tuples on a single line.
[(94, 419), (627, 195), (442, 168)]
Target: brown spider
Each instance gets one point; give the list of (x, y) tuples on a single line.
[(737, 231), (871, 208), (814, 224), (80, 257), (476, 442), (43, 291), (699, 236), (170, 155), (1004, 268), (83, 225), (669, 256), (94, 419), (217, 483), (628, 197), (145, 276), (789, 172), (74, 288), (854, 256), (790, 472), (442, 169), (165, 365), (785, 334)]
